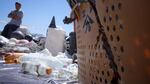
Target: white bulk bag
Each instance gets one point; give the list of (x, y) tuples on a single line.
[(55, 40)]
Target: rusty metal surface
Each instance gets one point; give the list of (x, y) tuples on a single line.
[(113, 42)]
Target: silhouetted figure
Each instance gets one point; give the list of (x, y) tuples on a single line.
[(16, 19)]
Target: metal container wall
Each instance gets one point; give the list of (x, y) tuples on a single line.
[(113, 40)]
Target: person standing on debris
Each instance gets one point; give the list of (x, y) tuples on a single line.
[(16, 20)]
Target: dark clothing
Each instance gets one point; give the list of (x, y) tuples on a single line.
[(8, 29)]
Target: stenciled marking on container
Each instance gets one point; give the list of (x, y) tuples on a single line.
[(106, 46)]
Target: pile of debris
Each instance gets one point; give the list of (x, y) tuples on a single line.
[(41, 56)]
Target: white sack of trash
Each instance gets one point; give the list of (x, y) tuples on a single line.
[(36, 68), (43, 63), (46, 58), (55, 40)]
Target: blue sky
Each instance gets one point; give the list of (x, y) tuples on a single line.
[(37, 14)]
